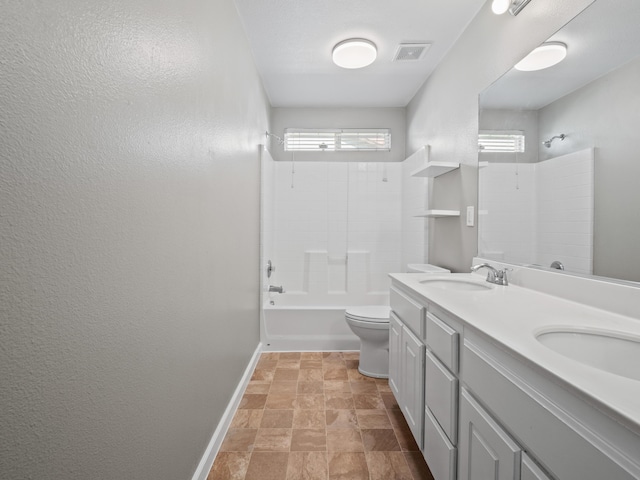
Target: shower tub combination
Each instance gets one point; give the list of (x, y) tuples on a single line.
[(291, 325)]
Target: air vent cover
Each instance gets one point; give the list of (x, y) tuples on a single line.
[(410, 51)]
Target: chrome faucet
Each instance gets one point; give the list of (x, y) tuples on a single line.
[(499, 277), (274, 289)]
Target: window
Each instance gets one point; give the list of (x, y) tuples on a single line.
[(337, 140), (501, 142)]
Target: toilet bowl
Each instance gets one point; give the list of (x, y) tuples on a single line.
[(371, 324)]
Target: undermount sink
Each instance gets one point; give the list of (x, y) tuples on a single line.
[(612, 352), (458, 284)]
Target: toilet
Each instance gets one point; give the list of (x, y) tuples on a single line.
[(371, 324)]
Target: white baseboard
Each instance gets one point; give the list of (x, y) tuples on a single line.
[(210, 453)]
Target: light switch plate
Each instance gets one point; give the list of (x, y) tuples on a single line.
[(470, 216)]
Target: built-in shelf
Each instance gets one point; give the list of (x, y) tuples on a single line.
[(439, 213), (435, 169), (430, 169)]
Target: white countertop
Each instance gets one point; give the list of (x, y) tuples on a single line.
[(513, 315)]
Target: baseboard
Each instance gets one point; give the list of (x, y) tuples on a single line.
[(210, 453)]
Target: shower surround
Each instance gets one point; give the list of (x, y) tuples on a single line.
[(334, 232)]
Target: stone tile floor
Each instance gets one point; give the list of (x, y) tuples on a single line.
[(313, 416)]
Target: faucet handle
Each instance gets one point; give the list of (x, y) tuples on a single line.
[(502, 276)]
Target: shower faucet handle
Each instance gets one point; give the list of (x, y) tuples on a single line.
[(270, 268)]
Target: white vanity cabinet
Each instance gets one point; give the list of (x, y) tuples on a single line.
[(567, 436), (406, 359), (481, 411)]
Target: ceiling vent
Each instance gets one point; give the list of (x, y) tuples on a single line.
[(410, 51)]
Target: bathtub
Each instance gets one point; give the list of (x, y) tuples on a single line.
[(290, 324)]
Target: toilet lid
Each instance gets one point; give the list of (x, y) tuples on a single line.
[(370, 313)]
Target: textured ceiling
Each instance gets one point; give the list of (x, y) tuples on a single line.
[(292, 41)]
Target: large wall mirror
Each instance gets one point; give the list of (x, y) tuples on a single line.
[(559, 161)]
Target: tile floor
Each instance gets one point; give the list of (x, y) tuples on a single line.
[(312, 416)]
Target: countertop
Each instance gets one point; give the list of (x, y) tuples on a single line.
[(512, 316)]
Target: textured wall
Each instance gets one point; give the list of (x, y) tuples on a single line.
[(129, 252), (444, 112)]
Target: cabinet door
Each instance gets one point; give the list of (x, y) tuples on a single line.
[(485, 450), (413, 354), (395, 353)]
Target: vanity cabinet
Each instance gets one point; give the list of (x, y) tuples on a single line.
[(406, 359), (481, 411), (566, 435)]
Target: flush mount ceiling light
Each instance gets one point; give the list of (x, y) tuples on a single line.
[(354, 53), (514, 6), (545, 56)]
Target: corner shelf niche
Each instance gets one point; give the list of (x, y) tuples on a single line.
[(431, 169), (439, 213)]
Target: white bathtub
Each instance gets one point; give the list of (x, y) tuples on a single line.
[(290, 325)]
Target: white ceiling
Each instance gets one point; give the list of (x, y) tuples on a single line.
[(602, 38), (292, 41)]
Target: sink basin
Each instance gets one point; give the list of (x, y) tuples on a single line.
[(613, 352), (457, 284)]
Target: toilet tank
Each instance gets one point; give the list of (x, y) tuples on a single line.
[(425, 268)]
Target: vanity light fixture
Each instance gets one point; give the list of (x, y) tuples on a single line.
[(545, 56), (354, 53), (513, 6)]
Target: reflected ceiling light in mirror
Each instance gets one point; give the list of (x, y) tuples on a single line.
[(354, 53), (500, 6), (545, 56), (514, 6)]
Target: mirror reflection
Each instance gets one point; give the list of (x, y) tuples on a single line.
[(559, 168)]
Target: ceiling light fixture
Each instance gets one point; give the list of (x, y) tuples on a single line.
[(354, 53), (545, 56), (514, 6)]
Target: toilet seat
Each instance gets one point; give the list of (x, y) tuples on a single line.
[(369, 313)]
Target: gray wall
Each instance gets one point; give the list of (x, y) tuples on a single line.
[(606, 114), (393, 118), (444, 112), (129, 233)]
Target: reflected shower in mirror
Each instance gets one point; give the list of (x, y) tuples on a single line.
[(559, 166)]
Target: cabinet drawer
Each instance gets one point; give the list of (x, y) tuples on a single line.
[(443, 342), (408, 310), (441, 395), (438, 451)]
